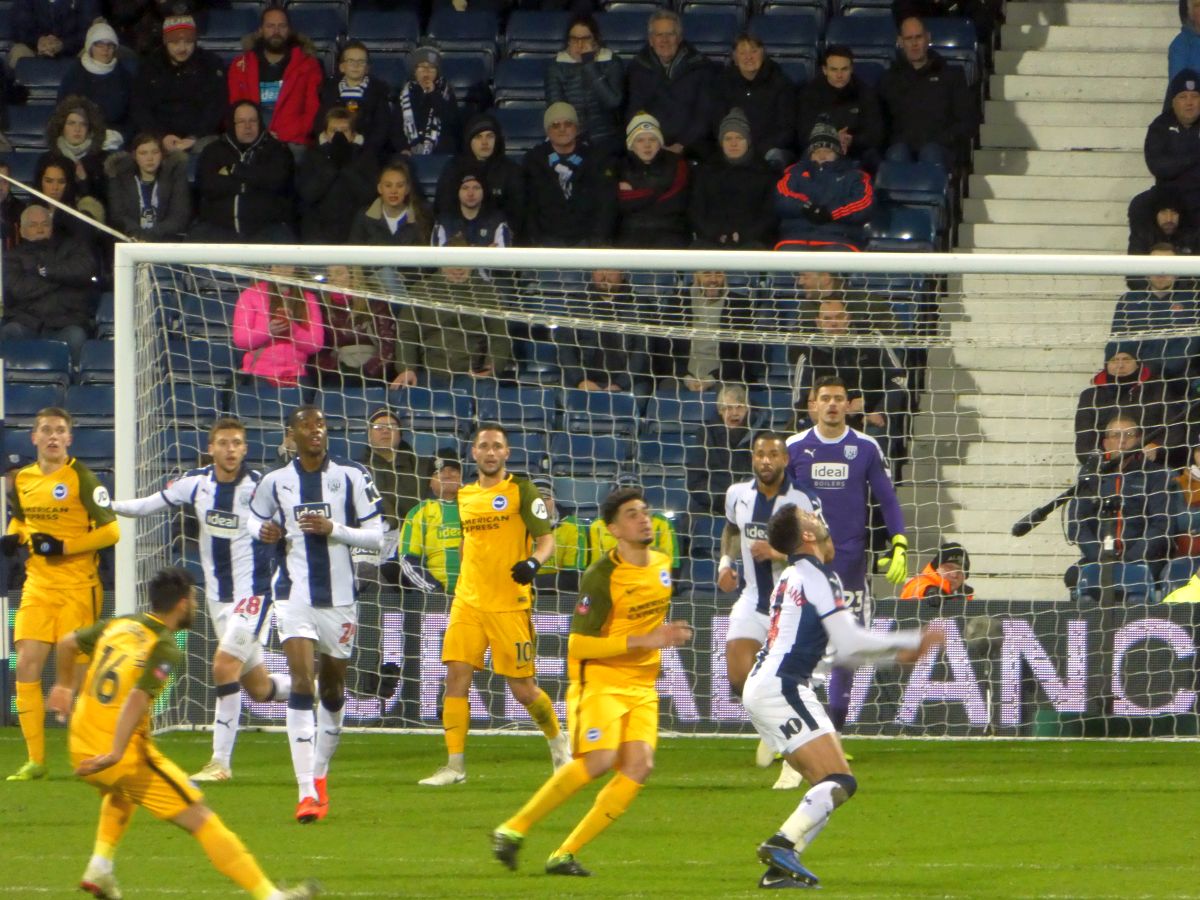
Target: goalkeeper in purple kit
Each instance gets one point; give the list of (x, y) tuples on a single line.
[(845, 469)]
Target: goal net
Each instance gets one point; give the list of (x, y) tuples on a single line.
[(994, 386)]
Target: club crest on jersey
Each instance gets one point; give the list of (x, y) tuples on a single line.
[(664, 578), (593, 734), (851, 451), (584, 605), (163, 671), (500, 503), (334, 486), (60, 491)]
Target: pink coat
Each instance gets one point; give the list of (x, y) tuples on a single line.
[(280, 360)]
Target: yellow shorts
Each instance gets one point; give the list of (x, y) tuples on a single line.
[(603, 719), (147, 779), (471, 632), (49, 615)]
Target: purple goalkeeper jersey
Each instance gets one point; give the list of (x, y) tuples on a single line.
[(838, 473)]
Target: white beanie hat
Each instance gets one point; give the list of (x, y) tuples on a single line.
[(643, 123)]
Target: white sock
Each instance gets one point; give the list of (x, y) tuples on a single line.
[(101, 865), (283, 687), (802, 826), (226, 719), (302, 734), (457, 762), (329, 735)]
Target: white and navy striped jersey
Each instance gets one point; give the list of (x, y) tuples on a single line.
[(749, 511), (317, 569), (236, 566)]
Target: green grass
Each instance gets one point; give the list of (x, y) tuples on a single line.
[(931, 819)]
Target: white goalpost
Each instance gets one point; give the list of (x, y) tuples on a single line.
[(972, 369)]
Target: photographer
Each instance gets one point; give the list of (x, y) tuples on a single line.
[(1119, 516)]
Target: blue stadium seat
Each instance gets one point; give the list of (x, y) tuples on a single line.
[(583, 454), (845, 6), (701, 572), (347, 445), (203, 362), (537, 361), (91, 404), (527, 452), (1178, 573), (196, 403), (915, 184), (706, 535), (96, 364), (27, 126), (641, 7), (869, 36), (348, 409), (93, 446), (599, 412), (36, 360), (522, 128), (791, 36), (817, 8), (22, 165), (535, 33), (265, 405), (431, 409), (624, 31), (428, 169), (955, 39), (901, 229), (1132, 579), (470, 30), (393, 30), (105, 312), (870, 70), (666, 493), (43, 76), (470, 73), (223, 29), (262, 446), (206, 316), (771, 407), (533, 408), (321, 22), (779, 368), (427, 444), (390, 67), (6, 40), (711, 30), (574, 494), (686, 412), (185, 447), (22, 401), (666, 454), (521, 82), (800, 70), (740, 8)]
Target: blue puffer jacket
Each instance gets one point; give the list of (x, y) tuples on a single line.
[(1136, 497), (1184, 52), (839, 187)]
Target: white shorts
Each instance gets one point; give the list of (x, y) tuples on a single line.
[(746, 622), (786, 715), (331, 627), (237, 626)]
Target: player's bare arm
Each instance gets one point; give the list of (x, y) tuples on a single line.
[(731, 549), (63, 693), (930, 639), (315, 523), (132, 713), (668, 634), (271, 532)]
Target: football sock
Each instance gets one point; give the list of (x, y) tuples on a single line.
[(283, 688), (31, 713), (329, 734), (811, 816), (225, 721), (230, 857), (610, 803), (542, 711), (456, 718), (559, 788), (302, 734), (115, 813)]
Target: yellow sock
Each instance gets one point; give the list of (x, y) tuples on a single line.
[(31, 713), (610, 804), (558, 789), (115, 813), (230, 857), (542, 711), (456, 719)]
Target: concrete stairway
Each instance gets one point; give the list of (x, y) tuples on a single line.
[(1074, 89)]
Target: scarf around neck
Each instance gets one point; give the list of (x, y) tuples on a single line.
[(74, 152), (95, 67)]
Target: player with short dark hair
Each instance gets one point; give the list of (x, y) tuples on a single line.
[(323, 506), (613, 657), (133, 659), (62, 512), (237, 579), (507, 537)]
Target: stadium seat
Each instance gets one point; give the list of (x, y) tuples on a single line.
[(430, 409), (666, 454), (676, 415), (711, 30), (93, 446), (390, 67), (701, 573), (22, 401), (206, 316), (575, 494), (91, 404), (869, 36), (393, 30), (470, 73), (599, 412), (1133, 580), (915, 184), (771, 407), (5, 26), (955, 39), (265, 405), (791, 36), (105, 310), (583, 454), (522, 128), (666, 493), (43, 76), (870, 70), (705, 535), (533, 408), (901, 229), (521, 82), (818, 8), (556, 292), (470, 30), (203, 362), (641, 7), (36, 360), (198, 403), (428, 169), (845, 6), (27, 126), (186, 447), (800, 70), (739, 7), (624, 30), (535, 33), (22, 165), (262, 446), (223, 29), (527, 452), (1178, 573), (323, 23), (347, 409), (96, 364)]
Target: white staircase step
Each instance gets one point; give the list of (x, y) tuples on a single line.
[(1046, 238), (1063, 137), (1024, 286), (994, 454), (1090, 37), (974, 429), (1063, 213), (1070, 112), (1041, 311), (1097, 89), (1051, 477), (1155, 14), (1019, 563), (1090, 163), (1038, 406), (1082, 64), (1046, 188)]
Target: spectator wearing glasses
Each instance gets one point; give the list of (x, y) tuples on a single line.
[(364, 95), (591, 78)]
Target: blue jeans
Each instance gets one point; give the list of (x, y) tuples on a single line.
[(926, 153), (73, 335)]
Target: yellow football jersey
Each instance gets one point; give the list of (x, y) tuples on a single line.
[(67, 503), (498, 526), (601, 542), (130, 652), (618, 598)]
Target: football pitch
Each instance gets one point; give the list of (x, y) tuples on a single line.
[(931, 819)]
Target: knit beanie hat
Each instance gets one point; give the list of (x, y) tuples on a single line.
[(643, 123), (824, 135), (424, 54), (559, 111), (100, 31), (736, 122), (175, 27), (1186, 80)]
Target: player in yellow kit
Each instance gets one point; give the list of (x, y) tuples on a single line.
[(613, 658), (133, 657), (63, 513), (506, 539)]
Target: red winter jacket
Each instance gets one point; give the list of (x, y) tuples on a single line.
[(292, 118)]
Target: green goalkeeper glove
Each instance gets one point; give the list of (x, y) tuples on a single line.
[(894, 565)]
